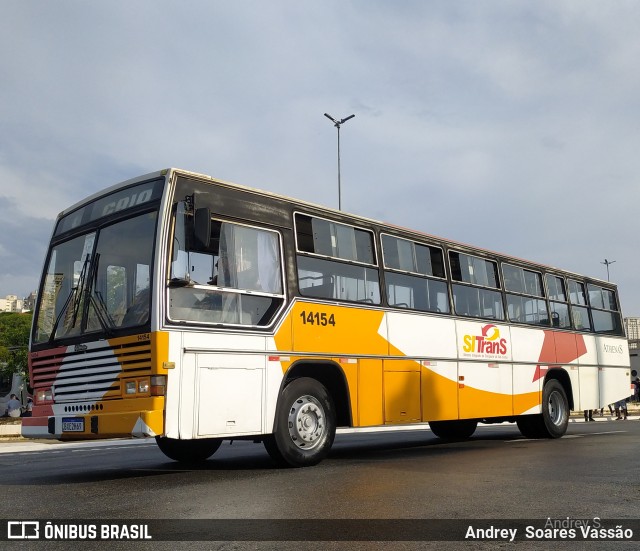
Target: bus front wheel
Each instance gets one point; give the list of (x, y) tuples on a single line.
[(188, 451), (305, 424)]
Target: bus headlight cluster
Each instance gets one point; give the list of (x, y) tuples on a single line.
[(136, 387), (44, 395), (145, 386)]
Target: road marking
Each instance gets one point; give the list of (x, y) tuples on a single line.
[(606, 432), (20, 447), (397, 428), (567, 436), (95, 448)]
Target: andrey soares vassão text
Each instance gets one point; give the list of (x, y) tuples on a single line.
[(554, 529)]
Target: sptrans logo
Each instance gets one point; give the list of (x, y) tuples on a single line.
[(488, 343)]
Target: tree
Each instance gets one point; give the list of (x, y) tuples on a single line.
[(14, 343)]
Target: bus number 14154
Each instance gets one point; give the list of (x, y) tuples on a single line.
[(317, 318)]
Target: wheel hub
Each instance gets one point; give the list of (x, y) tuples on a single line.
[(556, 409), (307, 424)]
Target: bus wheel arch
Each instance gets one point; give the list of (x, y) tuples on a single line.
[(332, 377), (563, 378)]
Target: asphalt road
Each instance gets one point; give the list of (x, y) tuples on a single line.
[(591, 472)]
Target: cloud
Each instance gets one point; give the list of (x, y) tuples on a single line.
[(512, 126)]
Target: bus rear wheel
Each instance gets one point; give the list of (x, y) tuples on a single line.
[(188, 451), (453, 430), (305, 425), (554, 419)]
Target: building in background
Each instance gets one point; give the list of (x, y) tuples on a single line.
[(29, 302), (632, 327), (11, 303)]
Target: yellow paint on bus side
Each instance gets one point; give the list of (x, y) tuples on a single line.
[(369, 412), (440, 396), (386, 389), (329, 329)]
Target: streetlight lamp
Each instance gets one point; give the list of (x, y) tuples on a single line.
[(337, 124), (607, 263)]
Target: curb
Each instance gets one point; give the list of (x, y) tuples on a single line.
[(9, 431), (600, 419)]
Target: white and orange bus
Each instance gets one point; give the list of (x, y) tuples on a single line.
[(194, 311)]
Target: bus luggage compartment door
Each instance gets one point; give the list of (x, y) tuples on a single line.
[(229, 394)]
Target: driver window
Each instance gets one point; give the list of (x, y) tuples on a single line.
[(236, 280)]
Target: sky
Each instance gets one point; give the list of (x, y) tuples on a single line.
[(510, 125)]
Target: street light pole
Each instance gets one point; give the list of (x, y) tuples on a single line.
[(337, 124), (607, 263)]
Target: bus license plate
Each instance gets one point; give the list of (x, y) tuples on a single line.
[(72, 424)]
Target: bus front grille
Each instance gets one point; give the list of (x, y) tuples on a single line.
[(92, 371)]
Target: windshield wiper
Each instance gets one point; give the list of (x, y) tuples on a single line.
[(75, 295), (97, 301), (102, 314)]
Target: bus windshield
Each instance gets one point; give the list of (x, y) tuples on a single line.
[(98, 282)]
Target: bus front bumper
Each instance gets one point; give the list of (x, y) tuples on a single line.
[(92, 426)]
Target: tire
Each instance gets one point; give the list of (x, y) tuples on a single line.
[(529, 426), (188, 451), (554, 419), (305, 425), (454, 430)]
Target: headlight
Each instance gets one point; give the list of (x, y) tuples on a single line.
[(143, 386), (146, 386), (44, 395)]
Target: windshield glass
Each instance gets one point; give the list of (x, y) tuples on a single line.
[(98, 282)]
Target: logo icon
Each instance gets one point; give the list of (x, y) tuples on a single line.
[(488, 343), (23, 530)]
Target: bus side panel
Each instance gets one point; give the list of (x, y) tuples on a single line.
[(527, 390), (530, 346), (613, 352), (370, 408), (589, 392), (230, 394), (614, 382), (485, 380), (276, 367), (341, 334), (401, 381), (320, 328), (439, 382), (485, 390), (174, 376), (431, 341), (186, 405), (222, 392), (422, 336)]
